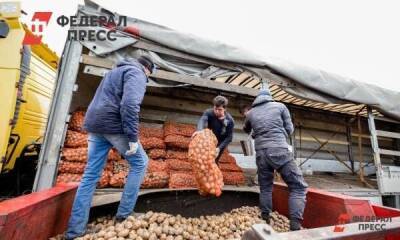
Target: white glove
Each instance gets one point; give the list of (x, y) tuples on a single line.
[(133, 147), (217, 151), (290, 148)]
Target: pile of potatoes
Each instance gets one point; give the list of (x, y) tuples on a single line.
[(155, 225)]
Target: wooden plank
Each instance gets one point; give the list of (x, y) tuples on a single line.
[(175, 77), (200, 82), (96, 61), (387, 134), (389, 152)]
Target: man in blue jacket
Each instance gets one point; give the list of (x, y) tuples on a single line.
[(271, 125), (112, 120), (220, 122)]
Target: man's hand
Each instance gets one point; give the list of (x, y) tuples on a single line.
[(133, 147), (195, 133), (217, 151)]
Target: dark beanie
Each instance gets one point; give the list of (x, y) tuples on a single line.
[(146, 62)]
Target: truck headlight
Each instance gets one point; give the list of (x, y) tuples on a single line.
[(10, 9)]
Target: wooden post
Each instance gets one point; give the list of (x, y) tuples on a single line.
[(360, 149), (375, 149), (350, 146)]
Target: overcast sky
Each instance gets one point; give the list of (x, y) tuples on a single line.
[(358, 38)]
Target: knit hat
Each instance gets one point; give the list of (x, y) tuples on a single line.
[(146, 62)]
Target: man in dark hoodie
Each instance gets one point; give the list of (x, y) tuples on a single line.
[(112, 120), (220, 122), (271, 126)]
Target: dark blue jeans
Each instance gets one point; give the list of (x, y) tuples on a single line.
[(280, 159)]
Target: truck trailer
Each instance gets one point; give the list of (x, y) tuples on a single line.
[(187, 78)]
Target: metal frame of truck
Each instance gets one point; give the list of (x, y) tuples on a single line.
[(72, 57)]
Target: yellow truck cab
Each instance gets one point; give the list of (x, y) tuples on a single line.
[(27, 80)]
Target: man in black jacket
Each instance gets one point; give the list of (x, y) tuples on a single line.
[(220, 122)]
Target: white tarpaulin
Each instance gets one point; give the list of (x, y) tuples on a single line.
[(311, 83)]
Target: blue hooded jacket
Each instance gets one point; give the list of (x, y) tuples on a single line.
[(116, 105)]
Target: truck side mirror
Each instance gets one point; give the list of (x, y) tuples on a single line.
[(4, 29)]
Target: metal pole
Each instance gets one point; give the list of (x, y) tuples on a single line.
[(50, 151)]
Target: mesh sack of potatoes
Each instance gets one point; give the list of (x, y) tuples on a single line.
[(152, 142), (147, 132), (182, 180), (71, 167), (173, 128), (229, 167), (118, 179), (155, 180), (113, 155), (202, 157), (156, 153), (120, 166), (177, 141), (76, 121), (179, 165), (68, 177), (227, 158), (109, 166), (157, 166), (75, 154), (177, 154), (75, 139), (233, 178), (104, 179)]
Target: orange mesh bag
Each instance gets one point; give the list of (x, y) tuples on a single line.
[(179, 165), (175, 154), (120, 166), (109, 166), (182, 180), (147, 132), (76, 121), (157, 166), (68, 177), (152, 142), (104, 179), (233, 178), (173, 128), (75, 154), (113, 155), (177, 141), (202, 157), (156, 153), (226, 158), (118, 180), (75, 139), (155, 180), (71, 167), (229, 167)]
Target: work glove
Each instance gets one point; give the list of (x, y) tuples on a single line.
[(217, 151), (133, 147)]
